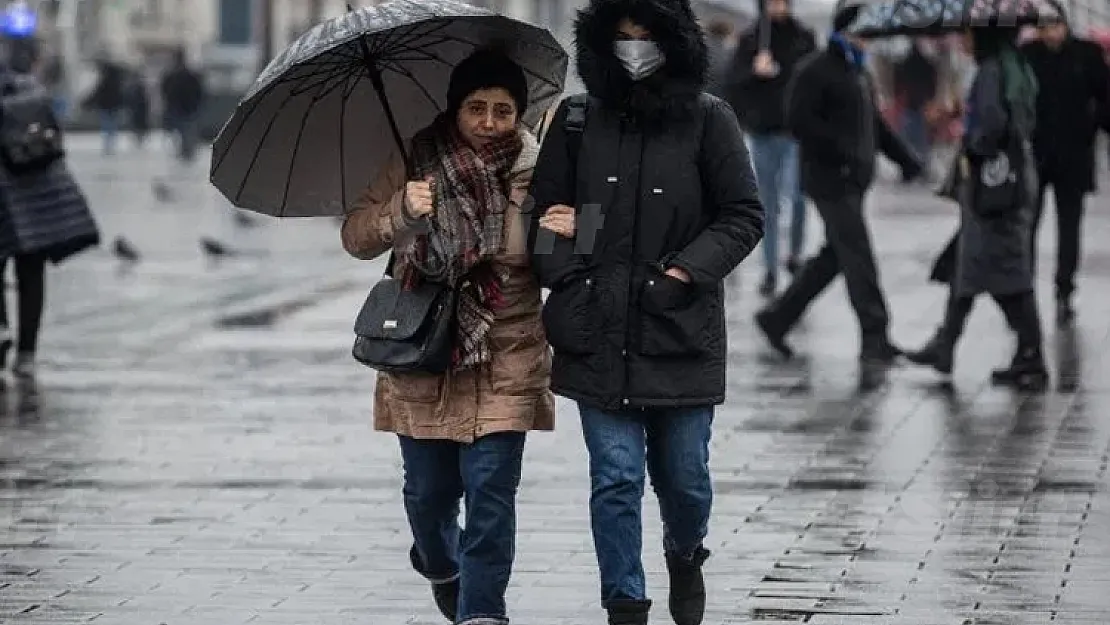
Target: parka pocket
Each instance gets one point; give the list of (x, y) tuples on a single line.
[(420, 388), (569, 317), (674, 317)]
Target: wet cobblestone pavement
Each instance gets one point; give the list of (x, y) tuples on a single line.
[(197, 448)]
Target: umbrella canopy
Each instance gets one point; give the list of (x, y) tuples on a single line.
[(332, 108), (933, 17)]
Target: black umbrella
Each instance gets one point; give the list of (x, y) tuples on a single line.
[(934, 17), (334, 106)]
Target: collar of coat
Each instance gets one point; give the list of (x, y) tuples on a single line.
[(672, 91)]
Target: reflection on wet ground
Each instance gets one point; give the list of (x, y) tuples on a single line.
[(196, 449)]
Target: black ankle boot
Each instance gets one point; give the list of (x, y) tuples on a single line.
[(937, 353), (769, 285), (687, 597), (774, 333), (629, 612), (445, 593), (1027, 371)]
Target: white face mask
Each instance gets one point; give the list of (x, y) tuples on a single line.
[(640, 58)]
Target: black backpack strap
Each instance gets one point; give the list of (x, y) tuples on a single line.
[(578, 108)]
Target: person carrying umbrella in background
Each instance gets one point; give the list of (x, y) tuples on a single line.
[(995, 182), (993, 178), (456, 87)]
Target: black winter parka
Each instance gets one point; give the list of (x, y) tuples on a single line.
[(663, 179)]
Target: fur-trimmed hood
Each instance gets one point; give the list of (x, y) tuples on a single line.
[(670, 92)]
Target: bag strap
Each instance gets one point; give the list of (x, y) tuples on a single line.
[(578, 108)]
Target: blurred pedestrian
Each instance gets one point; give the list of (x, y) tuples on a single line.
[(832, 112), (766, 57), (183, 96), (719, 44), (916, 87), (462, 433), (108, 100), (645, 201), (995, 181), (1072, 102), (44, 215)]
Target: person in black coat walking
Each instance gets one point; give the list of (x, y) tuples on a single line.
[(992, 249), (638, 220), (183, 97), (766, 57), (831, 110), (44, 216), (108, 99), (1074, 87)]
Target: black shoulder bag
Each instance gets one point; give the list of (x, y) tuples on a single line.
[(1001, 184), (406, 331)]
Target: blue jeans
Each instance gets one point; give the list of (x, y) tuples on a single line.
[(673, 446), (775, 160), (486, 474), (109, 130)]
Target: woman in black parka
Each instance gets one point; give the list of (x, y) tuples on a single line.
[(638, 219)]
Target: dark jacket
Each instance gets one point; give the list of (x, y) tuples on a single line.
[(108, 94), (45, 212), (759, 101), (663, 179), (831, 111), (1072, 98), (993, 251), (182, 92)]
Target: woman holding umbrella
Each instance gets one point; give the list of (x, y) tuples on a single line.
[(462, 433), (456, 87), (992, 254)]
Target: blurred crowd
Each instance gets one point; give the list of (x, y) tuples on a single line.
[(125, 98)]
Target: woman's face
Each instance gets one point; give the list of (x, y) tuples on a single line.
[(627, 30), (486, 115)]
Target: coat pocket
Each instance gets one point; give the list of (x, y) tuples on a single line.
[(419, 388), (674, 318), (569, 317)]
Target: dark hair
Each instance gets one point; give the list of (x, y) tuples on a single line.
[(844, 14), (989, 42), (484, 69)]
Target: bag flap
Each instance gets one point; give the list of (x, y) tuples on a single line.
[(392, 313)]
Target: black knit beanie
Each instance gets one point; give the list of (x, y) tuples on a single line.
[(485, 69), (844, 14)]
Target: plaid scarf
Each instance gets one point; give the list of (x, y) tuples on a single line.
[(470, 192)]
